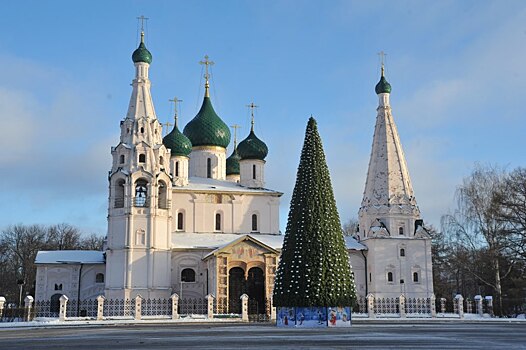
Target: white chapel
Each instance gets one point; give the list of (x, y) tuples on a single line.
[(183, 218)]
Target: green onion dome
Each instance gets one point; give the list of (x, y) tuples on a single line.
[(383, 86), (207, 129), (141, 54), (178, 143), (252, 147), (232, 163)]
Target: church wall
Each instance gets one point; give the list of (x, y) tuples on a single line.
[(236, 211), (63, 279), (115, 268), (357, 262), (199, 159), (193, 260), (383, 256)]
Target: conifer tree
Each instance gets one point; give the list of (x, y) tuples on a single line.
[(314, 267)]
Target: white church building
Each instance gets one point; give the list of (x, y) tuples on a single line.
[(183, 218)]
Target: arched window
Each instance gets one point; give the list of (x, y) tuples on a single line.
[(58, 286), (122, 158), (119, 193), (99, 278), (142, 158), (218, 222), (180, 221), (402, 252), (415, 276), (162, 200), (188, 275), (389, 277), (400, 230), (161, 160), (209, 168), (176, 169), (254, 171), (142, 130), (254, 222), (141, 193)]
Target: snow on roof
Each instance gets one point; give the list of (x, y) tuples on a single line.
[(219, 240), (69, 257), (213, 185)]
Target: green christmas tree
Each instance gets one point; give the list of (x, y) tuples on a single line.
[(314, 268)]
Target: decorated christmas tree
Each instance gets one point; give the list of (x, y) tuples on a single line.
[(314, 268)]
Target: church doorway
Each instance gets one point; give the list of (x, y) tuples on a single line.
[(54, 305), (256, 290), (236, 288)]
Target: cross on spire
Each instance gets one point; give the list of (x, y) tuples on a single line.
[(175, 101), (207, 63), (382, 60), (142, 19), (235, 127), (252, 106)]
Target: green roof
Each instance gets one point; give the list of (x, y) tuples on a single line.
[(252, 147), (232, 163), (207, 129), (383, 86), (141, 54), (178, 143)]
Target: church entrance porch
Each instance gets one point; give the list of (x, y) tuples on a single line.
[(253, 285)]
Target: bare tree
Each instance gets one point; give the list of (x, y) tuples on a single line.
[(350, 227), (476, 226), (63, 237), (92, 242)]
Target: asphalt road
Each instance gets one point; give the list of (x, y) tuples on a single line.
[(451, 335)]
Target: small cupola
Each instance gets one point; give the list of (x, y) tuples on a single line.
[(252, 152), (141, 54), (383, 86)]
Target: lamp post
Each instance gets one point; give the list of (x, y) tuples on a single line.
[(20, 286)]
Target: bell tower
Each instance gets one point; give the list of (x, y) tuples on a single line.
[(399, 247), (139, 217)]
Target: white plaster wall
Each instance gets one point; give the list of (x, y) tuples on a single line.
[(198, 162), (190, 259), (247, 176)]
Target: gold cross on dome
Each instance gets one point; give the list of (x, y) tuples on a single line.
[(235, 127), (252, 106), (142, 19), (207, 63), (382, 60)]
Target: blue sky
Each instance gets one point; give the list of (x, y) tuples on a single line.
[(456, 68)]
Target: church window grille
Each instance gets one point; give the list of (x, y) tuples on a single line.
[(99, 278), (415, 277), (254, 223), (119, 194), (188, 275), (142, 158), (209, 168), (122, 159), (180, 221), (58, 286), (254, 171), (401, 230), (218, 222), (177, 169), (141, 194), (163, 199), (402, 252), (390, 277)]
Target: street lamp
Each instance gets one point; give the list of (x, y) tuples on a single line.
[(20, 286)]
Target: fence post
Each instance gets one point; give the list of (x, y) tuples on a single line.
[(433, 306), (272, 310), (460, 305), (401, 305), (489, 300), (100, 307), (28, 304), (210, 298), (244, 307), (138, 304), (175, 306), (370, 305), (443, 305), (478, 302), (2, 302), (63, 305)]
